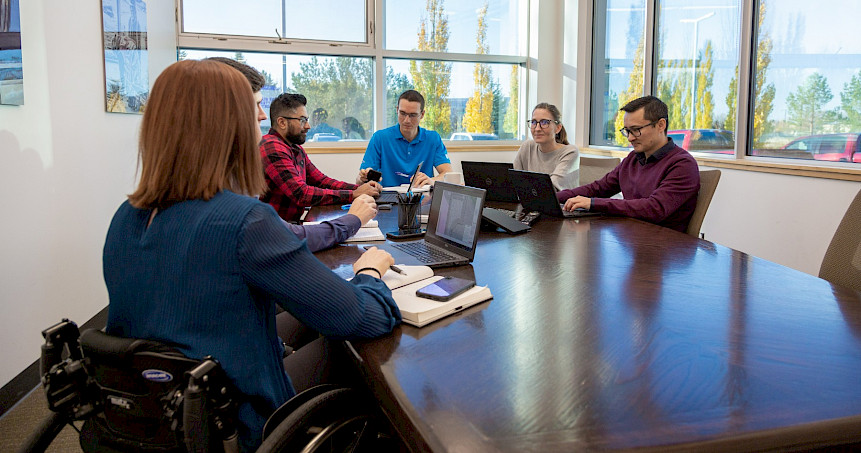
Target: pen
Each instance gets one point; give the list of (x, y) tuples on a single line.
[(402, 174), (345, 207), (397, 269)]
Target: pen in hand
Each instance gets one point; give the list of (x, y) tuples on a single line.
[(397, 269)]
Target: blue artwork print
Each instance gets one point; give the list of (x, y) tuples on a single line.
[(11, 68), (126, 69)]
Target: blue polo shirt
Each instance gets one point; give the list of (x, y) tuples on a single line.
[(389, 152)]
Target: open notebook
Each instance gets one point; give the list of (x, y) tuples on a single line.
[(419, 311)]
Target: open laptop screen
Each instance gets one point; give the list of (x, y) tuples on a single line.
[(455, 216)]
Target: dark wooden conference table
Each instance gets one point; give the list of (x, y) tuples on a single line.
[(615, 334)]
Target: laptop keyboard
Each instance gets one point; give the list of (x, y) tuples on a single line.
[(423, 253), (387, 198), (524, 217)]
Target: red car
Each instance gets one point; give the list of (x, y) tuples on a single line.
[(717, 141), (830, 147)]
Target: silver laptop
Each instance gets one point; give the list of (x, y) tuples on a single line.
[(536, 193), (452, 230), (492, 177)]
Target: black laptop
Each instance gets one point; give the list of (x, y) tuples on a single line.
[(536, 193), (492, 177), (452, 229)]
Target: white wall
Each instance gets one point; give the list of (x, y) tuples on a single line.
[(65, 165), (786, 219)]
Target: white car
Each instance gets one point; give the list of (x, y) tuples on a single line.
[(472, 136)]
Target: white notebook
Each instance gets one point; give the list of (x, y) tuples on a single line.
[(419, 311)]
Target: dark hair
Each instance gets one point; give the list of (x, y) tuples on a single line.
[(198, 136), (412, 96), (284, 104), (654, 109), (254, 78), (561, 136)]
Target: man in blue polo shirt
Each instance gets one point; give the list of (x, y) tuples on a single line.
[(396, 151)]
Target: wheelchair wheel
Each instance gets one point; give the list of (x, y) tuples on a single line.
[(333, 421)]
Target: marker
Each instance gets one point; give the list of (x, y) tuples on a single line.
[(397, 269)]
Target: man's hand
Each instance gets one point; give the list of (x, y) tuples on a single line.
[(578, 202), (422, 179), (363, 176), (364, 207), (371, 188)]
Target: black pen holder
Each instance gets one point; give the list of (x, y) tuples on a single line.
[(408, 212)]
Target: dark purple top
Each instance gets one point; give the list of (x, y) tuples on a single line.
[(661, 189)]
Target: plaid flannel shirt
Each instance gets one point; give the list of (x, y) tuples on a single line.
[(294, 182)]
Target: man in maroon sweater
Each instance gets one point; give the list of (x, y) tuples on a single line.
[(659, 180)]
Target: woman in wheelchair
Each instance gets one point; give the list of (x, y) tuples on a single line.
[(193, 259)]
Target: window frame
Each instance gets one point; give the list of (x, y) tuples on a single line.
[(373, 49)]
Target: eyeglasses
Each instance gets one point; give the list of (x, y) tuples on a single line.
[(411, 116), (544, 123), (303, 120), (636, 131)]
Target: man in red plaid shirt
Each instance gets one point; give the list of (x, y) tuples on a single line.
[(294, 182)]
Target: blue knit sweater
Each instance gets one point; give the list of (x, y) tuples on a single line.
[(205, 277)]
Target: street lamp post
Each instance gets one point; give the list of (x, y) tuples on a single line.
[(696, 23)]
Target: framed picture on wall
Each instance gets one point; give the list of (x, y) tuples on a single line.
[(11, 68), (126, 66)]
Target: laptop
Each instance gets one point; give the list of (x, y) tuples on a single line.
[(492, 177), (536, 193), (452, 229)]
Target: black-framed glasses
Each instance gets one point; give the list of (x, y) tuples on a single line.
[(543, 123), (411, 116), (303, 120), (636, 131)]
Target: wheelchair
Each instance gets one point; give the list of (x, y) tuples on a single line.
[(145, 396)]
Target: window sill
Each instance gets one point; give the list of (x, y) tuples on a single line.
[(359, 147), (840, 171)]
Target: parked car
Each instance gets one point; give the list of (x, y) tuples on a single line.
[(704, 140), (830, 147), (472, 136)]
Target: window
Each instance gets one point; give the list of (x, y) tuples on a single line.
[(472, 101), (697, 51), (801, 86), (467, 58), (807, 93), (339, 89), (271, 18), (455, 29), (618, 49)]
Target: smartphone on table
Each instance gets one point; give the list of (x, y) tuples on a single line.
[(445, 289)]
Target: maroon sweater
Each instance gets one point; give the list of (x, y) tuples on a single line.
[(661, 189)]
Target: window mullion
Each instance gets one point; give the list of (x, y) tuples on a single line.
[(746, 57), (649, 52)]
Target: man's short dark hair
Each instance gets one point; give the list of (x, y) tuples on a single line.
[(285, 104), (254, 78), (653, 109), (412, 96)]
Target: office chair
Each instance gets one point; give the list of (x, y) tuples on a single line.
[(708, 183), (841, 262), (141, 395), (594, 168)]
